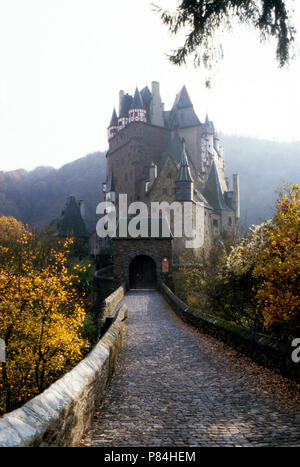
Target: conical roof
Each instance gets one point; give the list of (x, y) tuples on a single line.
[(212, 190), (174, 148), (208, 123), (137, 101), (71, 223), (125, 105), (114, 119), (184, 174), (183, 100), (182, 113), (146, 95)]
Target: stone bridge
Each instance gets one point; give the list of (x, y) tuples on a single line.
[(175, 386)]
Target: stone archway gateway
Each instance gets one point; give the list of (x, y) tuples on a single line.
[(142, 273)]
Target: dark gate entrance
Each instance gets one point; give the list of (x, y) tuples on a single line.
[(142, 273)]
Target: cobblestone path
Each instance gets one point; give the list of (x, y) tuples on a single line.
[(177, 387)]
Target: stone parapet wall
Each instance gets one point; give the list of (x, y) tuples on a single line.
[(109, 305), (261, 348), (61, 414)]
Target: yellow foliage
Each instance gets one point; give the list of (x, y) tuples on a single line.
[(41, 318), (278, 267)]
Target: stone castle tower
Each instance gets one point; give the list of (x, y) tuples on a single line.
[(166, 155)]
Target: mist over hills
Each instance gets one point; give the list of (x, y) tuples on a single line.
[(37, 197), (263, 166)]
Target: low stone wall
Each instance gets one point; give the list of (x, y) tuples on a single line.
[(61, 414), (109, 305), (104, 285), (261, 348)]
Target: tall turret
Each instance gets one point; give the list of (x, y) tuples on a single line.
[(113, 126), (184, 182), (137, 111)]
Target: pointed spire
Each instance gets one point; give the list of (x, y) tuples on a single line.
[(125, 105), (183, 99), (137, 102), (212, 190), (71, 223), (114, 119), (184, 174)]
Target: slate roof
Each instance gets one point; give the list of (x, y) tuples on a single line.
[(137, 101), (125, 105), (174, 149), (147, 96), (71, 223), (208, 124), (212, 190), (182, 100), (114, 119), (182, 113), (184, 174)]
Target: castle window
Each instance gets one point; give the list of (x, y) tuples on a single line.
[(165, 264), (169, 175), (215, 223), (165, 191), (229, 221)]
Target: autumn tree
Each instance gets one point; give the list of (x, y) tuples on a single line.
[(278, 268), (200, 20), (41, 316)]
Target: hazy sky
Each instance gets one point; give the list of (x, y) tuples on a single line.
[(63, 62)]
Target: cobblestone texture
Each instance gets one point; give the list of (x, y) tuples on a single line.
[(177, 387)]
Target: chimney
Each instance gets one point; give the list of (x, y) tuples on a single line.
[(121, 95), (156, 108)]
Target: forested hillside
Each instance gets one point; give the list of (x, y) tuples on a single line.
[(263, 167), (38, 197)]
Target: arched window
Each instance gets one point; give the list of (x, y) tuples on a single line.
[(165, 264)]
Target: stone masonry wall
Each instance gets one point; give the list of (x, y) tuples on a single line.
[(109, 305), (261, 348), (126, 249), (62, 413)]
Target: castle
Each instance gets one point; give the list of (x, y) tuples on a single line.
[(165, 155)]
